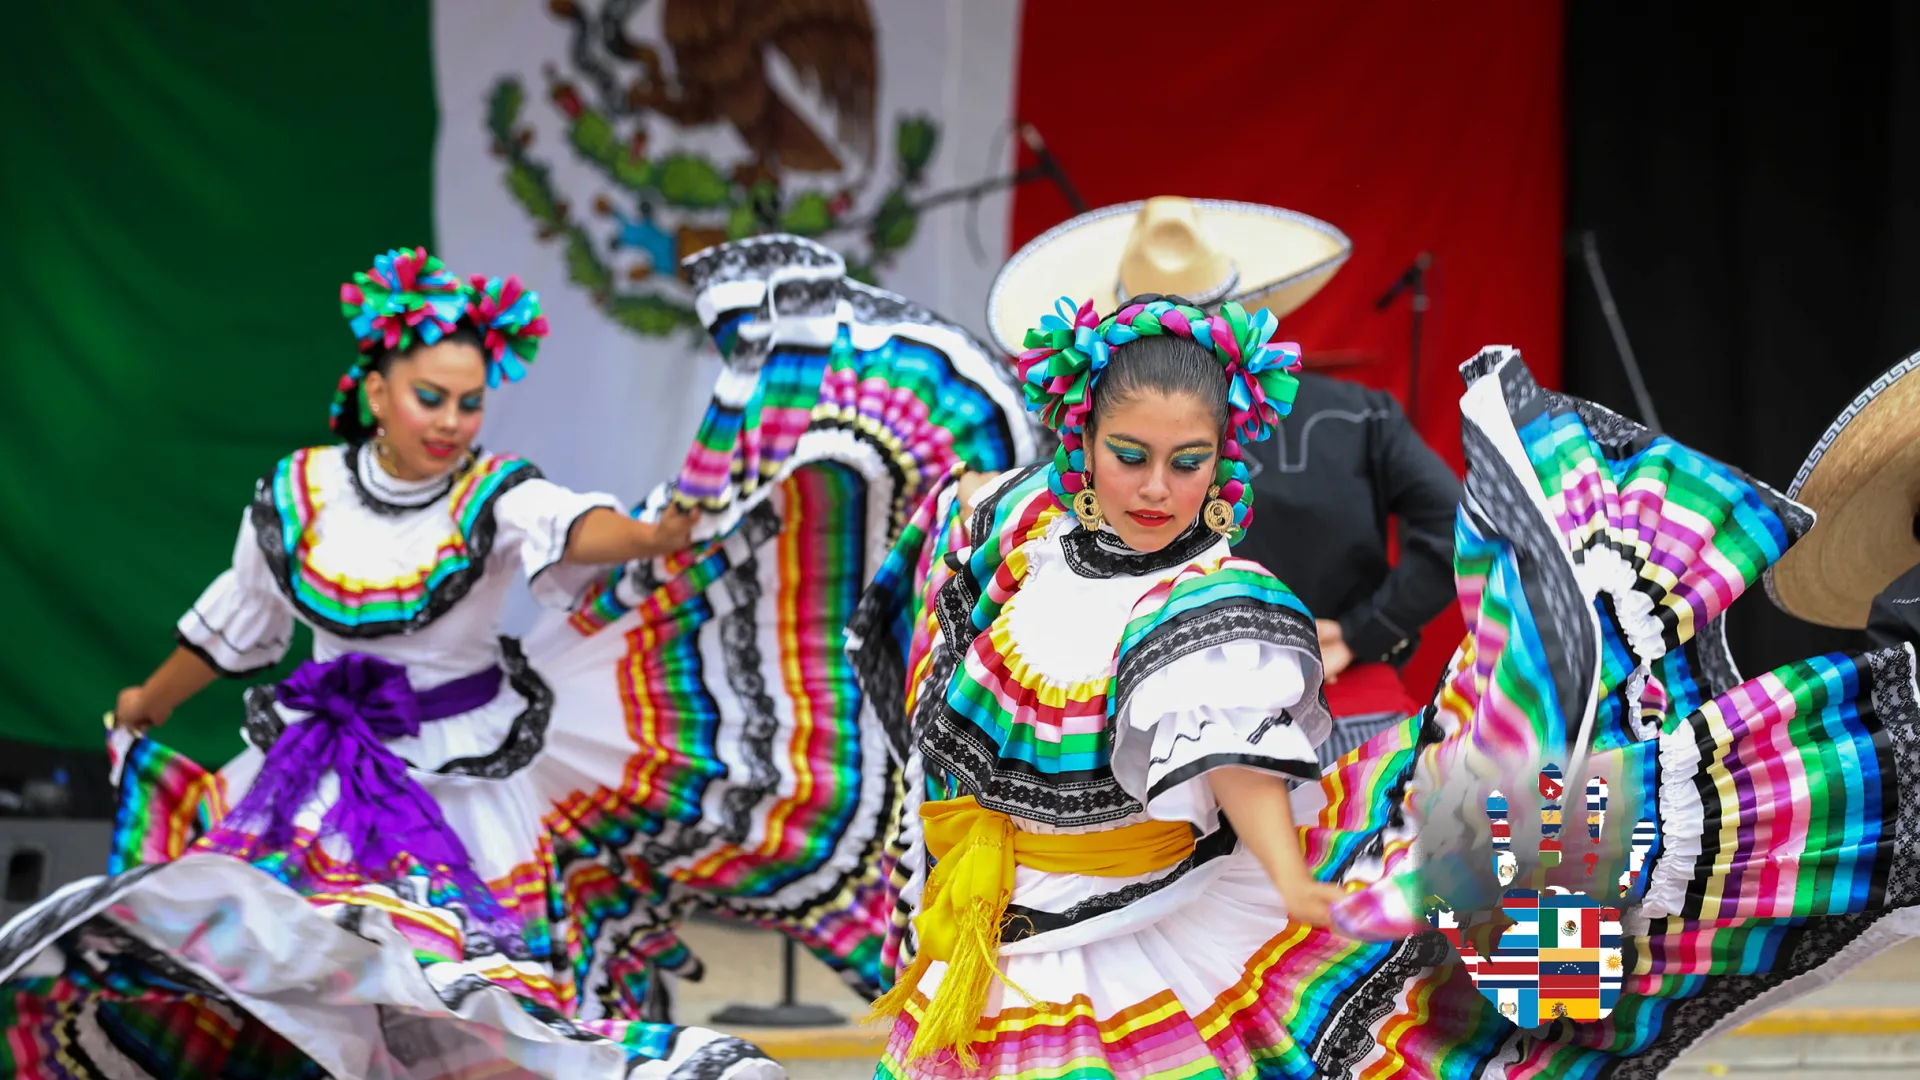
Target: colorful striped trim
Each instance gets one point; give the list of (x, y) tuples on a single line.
[(904, 398), (288, 506)]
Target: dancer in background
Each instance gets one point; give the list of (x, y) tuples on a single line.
[(1348, 460), (687, 731), (374, 886), (1103, 705)]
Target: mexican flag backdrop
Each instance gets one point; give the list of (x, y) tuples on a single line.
[(185, 185)]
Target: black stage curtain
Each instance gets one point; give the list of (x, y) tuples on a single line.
[(1752, 175)]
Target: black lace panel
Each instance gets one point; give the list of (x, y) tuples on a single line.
[(1103, 555), (1204, 627)]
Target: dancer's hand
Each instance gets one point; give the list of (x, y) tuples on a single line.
[(1311, 902), (1261, 808), (969, 484), (133, 713), (1335, 656), (674, 530)]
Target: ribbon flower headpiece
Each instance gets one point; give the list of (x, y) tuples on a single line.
[(407, 294), (409, 298), (510, 316), (1066, 354)]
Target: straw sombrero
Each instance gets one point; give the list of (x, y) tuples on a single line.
[(1863, 482), (1206, 250)]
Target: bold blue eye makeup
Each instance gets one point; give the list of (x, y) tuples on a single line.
[(430, 398), (472, 402), (1127, 455), (1191, 462)]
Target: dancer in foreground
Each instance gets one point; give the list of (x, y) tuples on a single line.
[(374, 887), (1103, 707)]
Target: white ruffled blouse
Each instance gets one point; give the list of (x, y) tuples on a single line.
[(344, 542)]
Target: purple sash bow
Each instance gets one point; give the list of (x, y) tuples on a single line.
[(354, 703)]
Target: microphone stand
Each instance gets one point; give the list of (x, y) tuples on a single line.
[(790, 1012), (1048, 168), (1413, 279), (1590, 252)]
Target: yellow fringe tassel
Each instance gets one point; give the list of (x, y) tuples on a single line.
[(965, 904), (961, 998)]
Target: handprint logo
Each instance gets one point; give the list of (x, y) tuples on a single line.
[(1550, 952)]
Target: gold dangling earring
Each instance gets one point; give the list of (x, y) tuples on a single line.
[(1218, 514), (1086, 505), (382, 452)]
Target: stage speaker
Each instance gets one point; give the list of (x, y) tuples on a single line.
[(38, 855)]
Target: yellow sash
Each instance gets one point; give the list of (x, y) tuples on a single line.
[(966, 898)]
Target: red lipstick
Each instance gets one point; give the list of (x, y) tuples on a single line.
[(1149, 519)]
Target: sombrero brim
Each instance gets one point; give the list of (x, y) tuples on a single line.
[(1863, 482), (1282, 257)]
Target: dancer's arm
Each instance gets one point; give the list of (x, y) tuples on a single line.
[(603, 536), (242, 623), (970, 482), (179, 677), (1256, 803)]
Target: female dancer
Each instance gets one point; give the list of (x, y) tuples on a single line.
[(1104, 706), (375, 890)]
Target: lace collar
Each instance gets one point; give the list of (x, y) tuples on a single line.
[(384, 493), (1103, 554)]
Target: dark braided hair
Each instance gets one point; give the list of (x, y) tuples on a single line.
[(1074, 353), (350, 419), (1161, 364)]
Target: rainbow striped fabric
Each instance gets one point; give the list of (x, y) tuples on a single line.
[(167, 801), (1586, 551), (765, 787), (810, 351), (183, 1037), (804, 789), (289, 500)]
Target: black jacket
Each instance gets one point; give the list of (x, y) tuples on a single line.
[(1895, 614), (1342, 463)]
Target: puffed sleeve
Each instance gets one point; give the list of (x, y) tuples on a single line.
[(242, 623), (1243, 703), (535, 519)]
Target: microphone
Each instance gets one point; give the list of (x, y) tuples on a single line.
[(1051, 166), (1407, 280)]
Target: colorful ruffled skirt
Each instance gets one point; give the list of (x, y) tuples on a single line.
[(208, 954), (1748, 841), (765, 784)]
